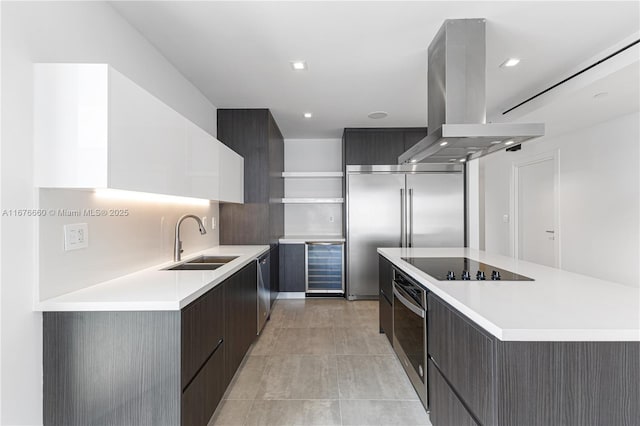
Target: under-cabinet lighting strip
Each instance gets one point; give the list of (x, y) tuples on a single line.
[(117, 194)]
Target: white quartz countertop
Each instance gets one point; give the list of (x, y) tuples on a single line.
[(154, 289), (301, 239), (557, 306)]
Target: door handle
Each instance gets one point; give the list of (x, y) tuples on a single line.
[(410, 233), (403, 229), (405, 301)]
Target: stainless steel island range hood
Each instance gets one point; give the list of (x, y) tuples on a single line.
[(457, 125)]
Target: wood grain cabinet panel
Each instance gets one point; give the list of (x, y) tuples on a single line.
[(446, 408), (385, 277), (274, 271), (148, 368), (465, 355), (378, 146), (111, 368), (292, 268), (569, 383), (241, 319), (201, 397), (527, 383), (254, 134), (202, 330)]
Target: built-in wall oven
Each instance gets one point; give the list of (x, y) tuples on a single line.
[(410, 330)]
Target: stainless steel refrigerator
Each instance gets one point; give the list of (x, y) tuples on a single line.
[(419, 205)]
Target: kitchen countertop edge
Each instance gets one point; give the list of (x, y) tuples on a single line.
[(161, 298), (507, 333)]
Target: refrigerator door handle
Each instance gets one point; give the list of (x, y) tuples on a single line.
[(410, 232), (403, 225)]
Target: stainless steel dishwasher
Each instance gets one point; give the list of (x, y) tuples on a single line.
[(264, 290)]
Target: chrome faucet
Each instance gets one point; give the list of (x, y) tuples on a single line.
[(177, 248)]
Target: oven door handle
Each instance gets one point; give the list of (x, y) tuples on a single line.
[(412, 307)]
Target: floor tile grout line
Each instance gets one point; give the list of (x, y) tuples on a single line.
[(338, 386), (255, 396)]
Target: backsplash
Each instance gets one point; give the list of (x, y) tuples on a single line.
[(131, 235)]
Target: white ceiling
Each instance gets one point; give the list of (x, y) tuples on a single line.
[(366, 56)]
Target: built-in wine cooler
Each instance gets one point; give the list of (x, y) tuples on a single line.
[(324, 268)]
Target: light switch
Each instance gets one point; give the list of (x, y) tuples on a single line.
[(76, 236), (505, 218), (213, 223)]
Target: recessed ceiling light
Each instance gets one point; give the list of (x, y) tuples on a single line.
[(601, 95), (462, 160), (298, 65), (377, 115), (510, 62), (453, 159), (308, 115), (495, 142), (509, 142), (414, 160), (444, 143)]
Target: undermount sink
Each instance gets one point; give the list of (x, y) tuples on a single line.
[(212, 259), (195, 267), (202, 263)]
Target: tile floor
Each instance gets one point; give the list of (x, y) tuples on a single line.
[(321, 362)]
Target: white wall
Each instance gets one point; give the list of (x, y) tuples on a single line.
[(118, 245), (313, 155), (65, 32), (599, 187)]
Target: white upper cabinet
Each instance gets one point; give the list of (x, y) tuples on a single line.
[(94, 128), (231, 166)]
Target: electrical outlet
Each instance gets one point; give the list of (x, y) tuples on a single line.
[(76, 236), (505, 218), (331, 219)]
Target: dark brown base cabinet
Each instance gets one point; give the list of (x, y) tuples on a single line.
[(475, 378), (149, 367), (385, 300), (292, 268)]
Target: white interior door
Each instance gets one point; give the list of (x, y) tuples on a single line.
[(536, 228)]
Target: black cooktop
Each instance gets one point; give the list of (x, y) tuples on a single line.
[(462, 268)]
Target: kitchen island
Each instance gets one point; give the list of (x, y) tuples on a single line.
[(561, 349)]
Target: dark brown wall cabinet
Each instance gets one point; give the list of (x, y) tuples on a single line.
[(148, 368), (475, 378), (292, 267), (385, 277), (254, 134), (370, 146)]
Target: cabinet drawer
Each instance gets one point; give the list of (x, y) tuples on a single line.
[(201, 397), (446, 408), (465, 355), (202, 327)]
